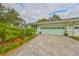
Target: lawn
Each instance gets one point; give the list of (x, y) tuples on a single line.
[(75, 37)]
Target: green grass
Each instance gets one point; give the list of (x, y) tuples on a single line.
[(75, 37)]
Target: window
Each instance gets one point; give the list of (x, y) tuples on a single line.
[(51, 27), (59, 27), (62, 27), (41, 27), (76, 27), (45, 27), (55, 27)]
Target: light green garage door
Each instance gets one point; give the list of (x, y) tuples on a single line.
[(52, 30)]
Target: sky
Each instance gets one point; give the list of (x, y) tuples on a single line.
[(32, 12)]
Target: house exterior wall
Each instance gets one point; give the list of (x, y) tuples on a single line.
[(76, 30), (69, 26), (70, 30)]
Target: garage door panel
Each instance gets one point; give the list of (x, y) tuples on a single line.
[(52, 31)]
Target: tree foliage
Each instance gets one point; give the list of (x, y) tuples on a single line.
[(2, 12), (43, 20), (10, 16), (55, 17)]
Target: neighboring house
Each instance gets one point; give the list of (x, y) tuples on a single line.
[(70, 26)]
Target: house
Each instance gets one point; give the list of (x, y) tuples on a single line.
[(70, 26)]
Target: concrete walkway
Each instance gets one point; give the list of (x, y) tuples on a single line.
[(48, 45)]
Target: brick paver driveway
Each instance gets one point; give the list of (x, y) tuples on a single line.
[(47, 45)]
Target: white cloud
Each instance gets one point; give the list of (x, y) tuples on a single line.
[(32, 12)]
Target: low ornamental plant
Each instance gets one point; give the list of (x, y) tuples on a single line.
[(66, 34)]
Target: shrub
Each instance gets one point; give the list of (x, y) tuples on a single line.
[(66, 34), (39, 32), (29, 32), (75, 37), (8, 32)]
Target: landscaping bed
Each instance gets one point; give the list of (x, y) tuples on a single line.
[(6, 47), (12, 37), (9, 46), (73, 37)]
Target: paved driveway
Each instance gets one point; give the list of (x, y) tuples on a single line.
[(47, 45)]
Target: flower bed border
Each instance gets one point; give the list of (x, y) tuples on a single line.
[(25, 41)]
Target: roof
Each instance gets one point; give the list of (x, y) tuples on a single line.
[(66, 21)]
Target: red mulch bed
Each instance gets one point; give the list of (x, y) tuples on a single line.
[(2, 43), (12, 40), (15, 40)]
